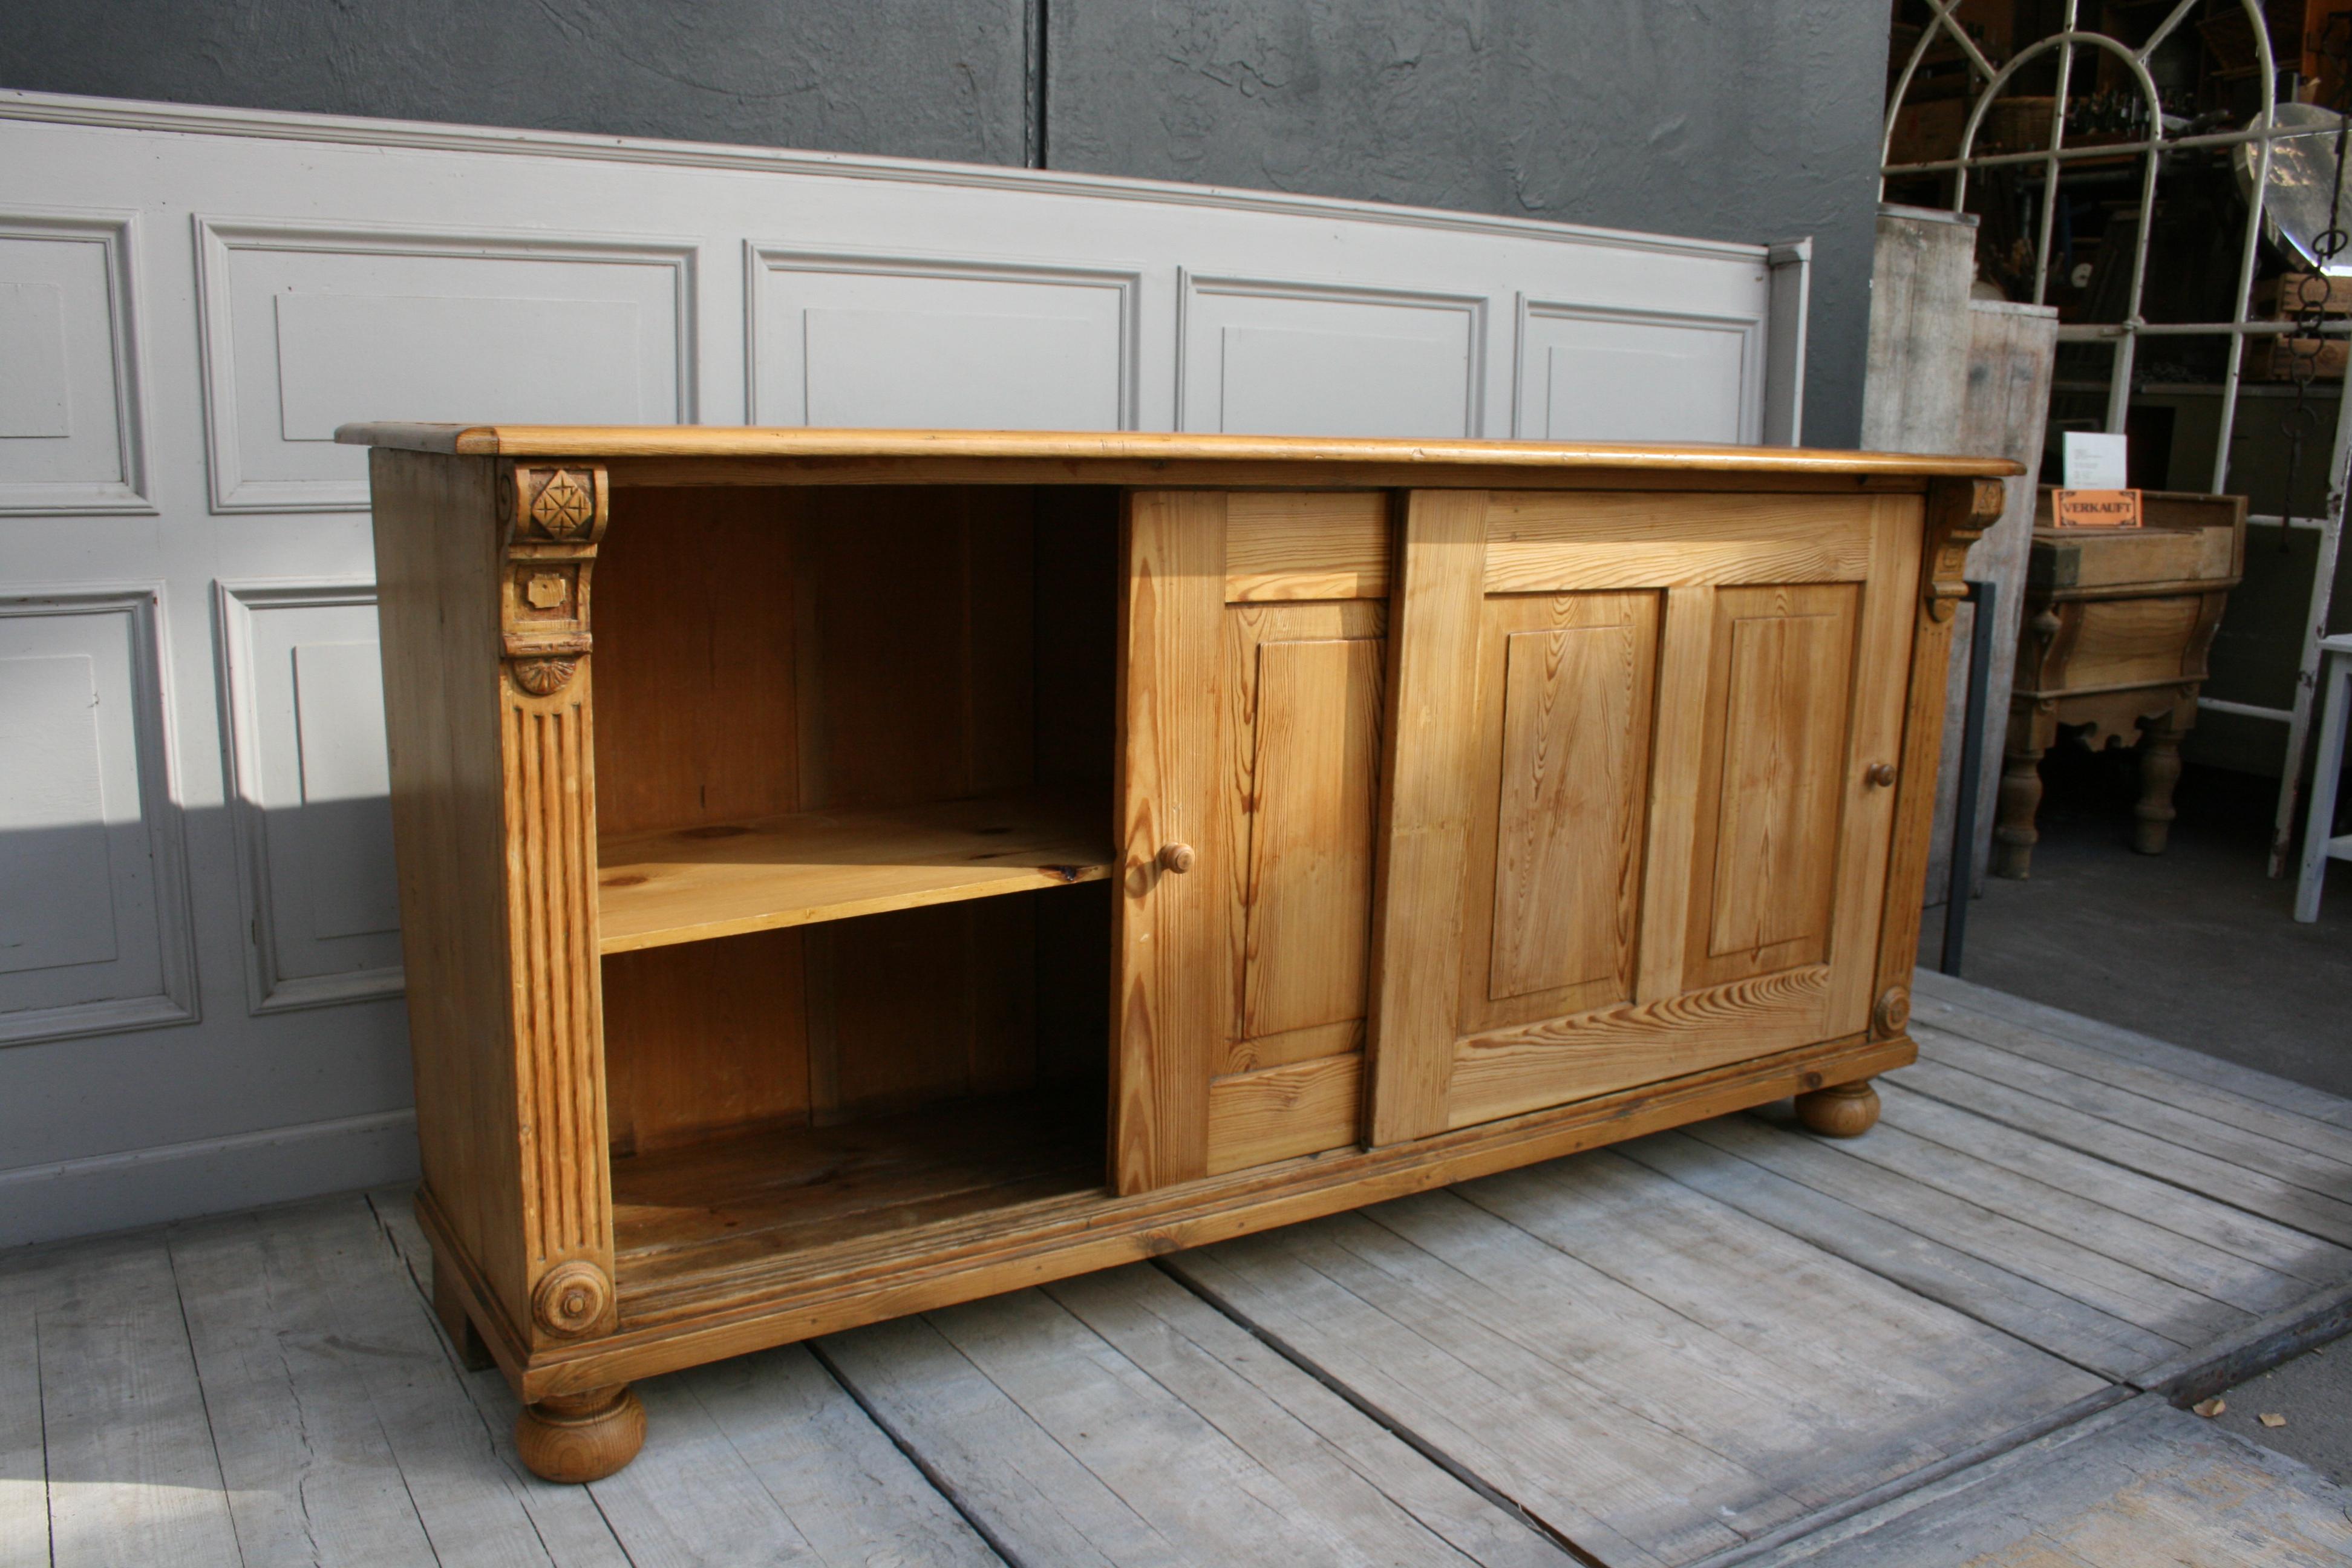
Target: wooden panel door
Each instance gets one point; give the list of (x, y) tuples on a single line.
[(1253, 649), (1639, 812)]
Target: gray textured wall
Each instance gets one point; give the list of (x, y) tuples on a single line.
[(1730, 119)]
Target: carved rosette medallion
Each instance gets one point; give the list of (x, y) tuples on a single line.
[(570, 1299), (1894, 1010), (543, 677)]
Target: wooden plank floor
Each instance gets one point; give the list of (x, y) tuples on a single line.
[(1730, 1343)]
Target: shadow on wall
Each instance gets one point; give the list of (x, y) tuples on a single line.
[(115, 1110)]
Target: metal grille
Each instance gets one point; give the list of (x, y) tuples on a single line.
[(1988, 84)]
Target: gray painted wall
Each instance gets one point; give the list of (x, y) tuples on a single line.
[(1751, 120)]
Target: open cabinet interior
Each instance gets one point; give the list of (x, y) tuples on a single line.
[(854, 752)]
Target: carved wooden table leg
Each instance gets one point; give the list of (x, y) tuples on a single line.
[(1840, 1111), (2159, 771), (581, 1436), (2013, 836), (2031, 727)]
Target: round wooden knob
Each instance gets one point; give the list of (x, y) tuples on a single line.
[(1880, 773), (1176, 857)]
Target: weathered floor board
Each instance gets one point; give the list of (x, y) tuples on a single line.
[(132, 1475), (1991, 1294), (1961, 1007), (2144, 1486), (1709, 1345), (343, 1433), (762, 1459), (1118, 1419), (2288, 1255), (1590, 1337)]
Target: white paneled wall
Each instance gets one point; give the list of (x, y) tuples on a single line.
[(199, 959)]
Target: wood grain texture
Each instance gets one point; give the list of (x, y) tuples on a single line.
[(835, 1067), (1902, 1192), (1562, 803), (2270, 1259), (108, 1338), (1278, 1112), (1509, 1071), (1683, 662), (1964, 1007), (343, 1431), (556, 1024), (1170, 1025), (722, 880), (1425, 810), (704, 1038), (1290, 545), (2127, 642), (2144, 1486), (674, 622), (1869, 813), (2290, 1124), (1779, 700), (438, 550), (1306, 908), (1553, 544), (1641, 1369), (1914, 806), (1298, 752), (1120, 1420), (1075, 449), (764, 1298), (1978, 1287), (1551, 898)]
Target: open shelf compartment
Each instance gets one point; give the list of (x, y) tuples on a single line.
[(694, 884), (854, 757)]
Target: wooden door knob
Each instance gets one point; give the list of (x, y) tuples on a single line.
[(1880, 773), (1176, 857)]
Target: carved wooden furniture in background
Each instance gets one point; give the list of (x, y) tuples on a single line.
[(1421, 809), (2117, 626)]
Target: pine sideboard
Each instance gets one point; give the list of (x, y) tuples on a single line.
[(929, 864)]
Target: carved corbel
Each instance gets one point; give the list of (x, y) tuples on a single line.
[(1958, 511), (553, 518)]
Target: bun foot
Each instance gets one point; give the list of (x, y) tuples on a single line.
[(581, 1436), (1840, 1111)]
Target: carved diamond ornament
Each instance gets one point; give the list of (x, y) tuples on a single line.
[(563, 505)]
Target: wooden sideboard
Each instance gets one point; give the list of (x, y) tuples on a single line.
[(956, 861), (2116, 626)]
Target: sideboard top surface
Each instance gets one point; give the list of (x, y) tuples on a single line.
[(1111, 456)]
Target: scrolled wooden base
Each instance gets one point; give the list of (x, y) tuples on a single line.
[(581, 1436), (1840, 1111)]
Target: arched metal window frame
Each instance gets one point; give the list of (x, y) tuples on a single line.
[(2126, 334)]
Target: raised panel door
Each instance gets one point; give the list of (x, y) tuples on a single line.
[(1638, 811), (1254, 653)]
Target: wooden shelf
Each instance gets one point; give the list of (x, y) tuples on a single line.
[(700, 1218), (697, 883)]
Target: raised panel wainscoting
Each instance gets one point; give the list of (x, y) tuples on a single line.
[(192, 300)]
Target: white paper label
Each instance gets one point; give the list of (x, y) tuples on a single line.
[(2095, 462)]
